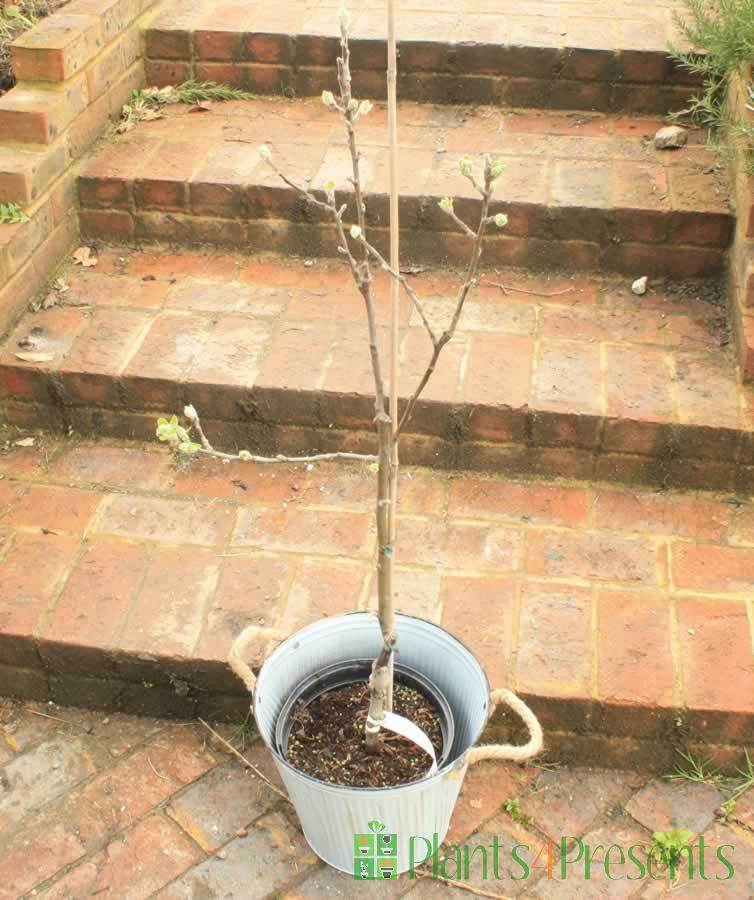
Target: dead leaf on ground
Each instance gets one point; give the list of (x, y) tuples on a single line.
[(50, 300), (25, 442), (83, 256), (35, 357), (201, 107), (60, 286)]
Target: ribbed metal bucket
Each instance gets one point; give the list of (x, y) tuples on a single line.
[(331, 815)]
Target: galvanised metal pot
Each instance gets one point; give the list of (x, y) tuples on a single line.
[(418, 813)]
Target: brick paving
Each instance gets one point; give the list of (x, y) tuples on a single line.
[(583, 192), (122, 807), (574, 369), (623, 614), (571, 54)]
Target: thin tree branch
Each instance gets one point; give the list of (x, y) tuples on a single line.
[(365, 281), (471, 278), (468, 172), (360, 271), (469, 232), (406, 285), (244, 456), (317, 457)]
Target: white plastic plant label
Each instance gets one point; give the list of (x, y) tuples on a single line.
[(409, 730)]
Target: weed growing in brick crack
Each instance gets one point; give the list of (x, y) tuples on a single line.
[(12, 214), (667, 845), (695, 769), (745, 780), (727, 810), (512, 806), (702, 771), (721, 33), (245, 731), (362, 257), (145, 105)]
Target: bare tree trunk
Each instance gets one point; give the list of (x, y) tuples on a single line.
[(381, 681)]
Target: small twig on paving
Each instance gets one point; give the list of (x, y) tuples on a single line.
[(545, 766), (245, 761), (464, 887), (516, 290), (158, 774), (35, 712)]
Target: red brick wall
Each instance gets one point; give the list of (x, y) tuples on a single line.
[(75, 70)]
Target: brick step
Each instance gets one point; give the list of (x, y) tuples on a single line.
[(583, 192), (546, 55), (556, 375), (620, 615)]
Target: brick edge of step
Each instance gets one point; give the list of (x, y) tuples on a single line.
[(578, 730), (528, 442), (436, 71), (440, 248)]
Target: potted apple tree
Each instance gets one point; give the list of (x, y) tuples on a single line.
[(372, 724)]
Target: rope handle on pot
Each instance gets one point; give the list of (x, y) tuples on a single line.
[(510, 751), (237, 652)]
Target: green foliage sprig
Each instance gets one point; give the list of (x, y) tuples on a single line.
[(667, 845), (145, 104), (170, 431), (12, 214)]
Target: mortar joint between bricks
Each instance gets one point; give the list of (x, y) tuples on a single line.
[(511, 665), (46, 615), (679, 688), (594, 641)]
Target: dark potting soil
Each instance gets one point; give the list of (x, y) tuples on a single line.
[(327, 739)]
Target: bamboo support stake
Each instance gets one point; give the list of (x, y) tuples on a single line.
[(392, 115)]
